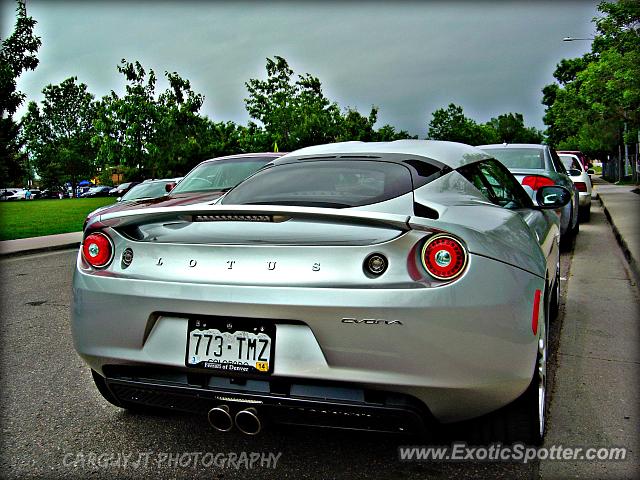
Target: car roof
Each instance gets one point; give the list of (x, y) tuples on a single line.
[(451, 154), (245, 155), (515, 145)]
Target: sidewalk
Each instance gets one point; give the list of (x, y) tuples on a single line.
[(40, 244), (594, 402), (622, 208)]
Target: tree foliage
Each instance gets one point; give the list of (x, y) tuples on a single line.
[(58, 134), (510, 128), (451, 124), (597, 96), (155, 135), (295, 113), (17, 54)]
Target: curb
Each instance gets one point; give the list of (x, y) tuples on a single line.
[(633, 265), (31, 251)]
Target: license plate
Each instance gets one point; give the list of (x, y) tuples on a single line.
[(231, 345)]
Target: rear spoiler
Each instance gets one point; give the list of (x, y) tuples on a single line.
[(249, 213)]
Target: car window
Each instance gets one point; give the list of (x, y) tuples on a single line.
[(557, 164), (528, 158), (496, 184), (324, 183), (219, 174), (570, 162), (145, 190)]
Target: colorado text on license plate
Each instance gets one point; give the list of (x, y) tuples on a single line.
[(234, 351)]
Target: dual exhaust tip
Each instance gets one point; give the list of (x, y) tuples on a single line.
[(246, 420)]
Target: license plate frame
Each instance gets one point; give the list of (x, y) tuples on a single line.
[(229, 329)]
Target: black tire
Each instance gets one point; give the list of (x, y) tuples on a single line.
[(567, 241), (554, 304), (585, 214)]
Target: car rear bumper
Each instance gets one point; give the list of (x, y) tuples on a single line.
[(462, 350), (584, 199), (291, 403)]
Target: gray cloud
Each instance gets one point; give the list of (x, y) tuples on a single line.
[(409, 58)]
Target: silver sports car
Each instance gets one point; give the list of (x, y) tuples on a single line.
[(378, 286)]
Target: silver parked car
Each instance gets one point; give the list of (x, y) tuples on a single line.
[(535, 166), (581, 180), (378, 286)]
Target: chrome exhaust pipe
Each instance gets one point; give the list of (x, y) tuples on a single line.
[(248, 422), (220, 418)]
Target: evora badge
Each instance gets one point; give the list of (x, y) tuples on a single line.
[(371, 321)]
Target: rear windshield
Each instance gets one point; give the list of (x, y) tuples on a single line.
[(530, 158), (219, 174), (326, 183), (145, 190), (570, 162)]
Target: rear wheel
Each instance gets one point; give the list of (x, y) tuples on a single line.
[(585, 214), (567, 240), (554, 306)]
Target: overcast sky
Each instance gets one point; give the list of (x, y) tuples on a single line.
[(408, 58)]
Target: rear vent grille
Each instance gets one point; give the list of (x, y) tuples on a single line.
[(232, 218)]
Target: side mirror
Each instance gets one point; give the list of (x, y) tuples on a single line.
[(591, 171), (552, 196), (170, 186), (119, 199)]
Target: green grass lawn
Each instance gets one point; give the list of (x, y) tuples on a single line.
[(35, 218)]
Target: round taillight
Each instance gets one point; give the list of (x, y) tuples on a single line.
[(97, 249), (444, 257)]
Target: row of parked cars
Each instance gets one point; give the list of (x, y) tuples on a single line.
[(395, 286)]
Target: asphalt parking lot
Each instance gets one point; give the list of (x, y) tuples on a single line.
[(53, 419)]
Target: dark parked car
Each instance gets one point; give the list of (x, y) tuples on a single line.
[(536, 166), (53, 193), (149, 189), (100, 191), (123, 188), (205, 183)]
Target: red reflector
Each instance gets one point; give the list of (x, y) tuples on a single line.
[(444, 257), (536, 311), (581, 186), (537, 181), (97, 250)]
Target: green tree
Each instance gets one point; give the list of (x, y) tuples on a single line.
[(355, 126), (597, 97), (294, 114), (510, 128), (57, 136), (452, 125), (17, 54), (153, 135)]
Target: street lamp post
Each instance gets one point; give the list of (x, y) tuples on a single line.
[(572, 39)]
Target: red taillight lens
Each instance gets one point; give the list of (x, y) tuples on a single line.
[(444, 257), (581, 186), (536, 181), (97, 249)]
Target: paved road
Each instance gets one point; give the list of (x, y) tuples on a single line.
[(53, 417)]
